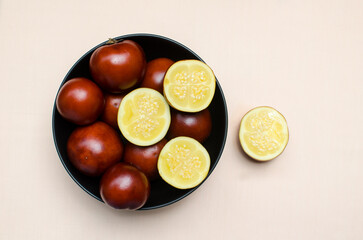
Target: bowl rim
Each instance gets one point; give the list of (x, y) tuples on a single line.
[(120, 38)]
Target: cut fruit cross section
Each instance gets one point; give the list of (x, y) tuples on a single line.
[(183, 163), (144, 117), (263, 133), (189, 85)]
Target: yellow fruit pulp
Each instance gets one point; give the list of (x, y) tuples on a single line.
[(189, 85), (183, 163), (143, 117), (263, 133)]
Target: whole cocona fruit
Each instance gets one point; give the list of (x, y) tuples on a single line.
[(155, 72), (80, 101), (195, 125), (94, 148), (123, 186), (118, 66), (144, 158), (109, 114)]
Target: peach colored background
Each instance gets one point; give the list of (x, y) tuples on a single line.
[(305, 58)]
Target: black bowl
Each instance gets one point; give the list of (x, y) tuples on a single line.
[(154, 46)]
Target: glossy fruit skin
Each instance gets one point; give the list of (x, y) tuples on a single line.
[(80, 101), (123, 186), (195, 125), (155, 72), (144, 158), (109, 114), (119, 66), (94, 148)]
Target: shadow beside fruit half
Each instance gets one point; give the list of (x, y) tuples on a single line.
[(161, 194)]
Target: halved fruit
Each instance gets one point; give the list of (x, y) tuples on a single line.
[(263, 133), (183, 163), (189, 85), (143, 117)]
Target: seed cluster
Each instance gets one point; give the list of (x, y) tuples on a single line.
[(180, 91), (182, 161), (198, 92), (265, 137), (147, 107), (194, 81), (195, 77)]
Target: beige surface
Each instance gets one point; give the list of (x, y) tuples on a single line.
[(305, 58)]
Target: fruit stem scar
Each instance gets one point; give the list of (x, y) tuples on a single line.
[(113, 41)]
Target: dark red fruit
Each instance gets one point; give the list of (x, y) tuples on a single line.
[(144, 158), (94, 148), (80, 101), (195, 125), (109, 115), (124, 187), (155, 72), (118, 66)]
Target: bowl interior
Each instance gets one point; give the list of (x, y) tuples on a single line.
[(161, 193)]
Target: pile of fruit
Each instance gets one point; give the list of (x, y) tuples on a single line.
[(138, 121)]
